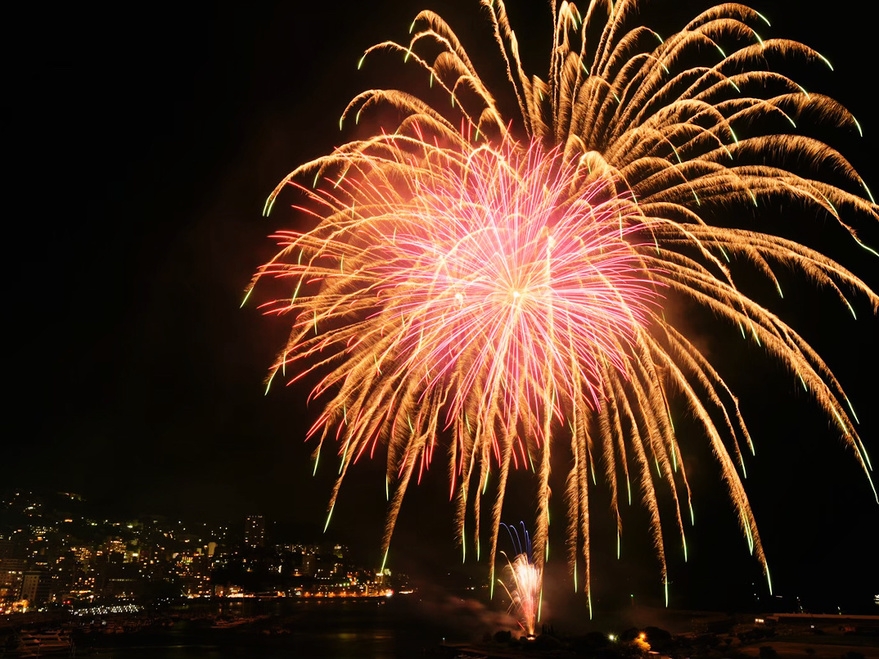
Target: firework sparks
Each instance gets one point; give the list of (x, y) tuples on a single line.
[(524, 581), (496, 291)]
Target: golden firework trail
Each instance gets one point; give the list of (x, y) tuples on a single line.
[(494, 289)]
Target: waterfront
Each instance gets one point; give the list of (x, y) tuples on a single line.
[(443, 625), (270, 629)]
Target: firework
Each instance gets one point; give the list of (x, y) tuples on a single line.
[(524, 581), (495, 289)]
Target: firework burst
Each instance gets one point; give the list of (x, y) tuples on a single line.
[(495, 289)]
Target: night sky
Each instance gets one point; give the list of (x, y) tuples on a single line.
[(138, 160)]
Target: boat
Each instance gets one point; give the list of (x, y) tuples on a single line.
[(42, 644)]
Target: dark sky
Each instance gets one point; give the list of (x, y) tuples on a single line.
[(142, 147)]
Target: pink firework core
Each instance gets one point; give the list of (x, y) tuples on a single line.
[(491, 288)]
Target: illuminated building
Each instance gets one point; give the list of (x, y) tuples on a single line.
[(11, 577), (255, 531)]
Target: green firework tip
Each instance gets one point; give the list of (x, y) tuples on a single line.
[(759, 40), (619, 545), (385, 559), (412, 25), (269, 381), (748, 534), (778, 288), (360, 61), (755, 335), (692, 514), (869, 249), (357, 118), (826, 61), (406, 56), (841, 424), (867, 190), (851, 309), (246, 296), (735, 86), (858, 126), (803, 89), (316, 461), (387, 489), (863, 451), (803, 382), (768, 578), (341, 121), (764, 19), (267, 207), (329, 517), (851, 409), (684, 544), (665, 586), (344, 458), (720, 50)]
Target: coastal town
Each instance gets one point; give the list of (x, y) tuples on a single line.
[(51, 556)]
